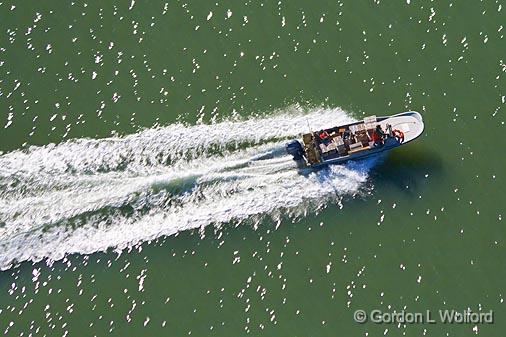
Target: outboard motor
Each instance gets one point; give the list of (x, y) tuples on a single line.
[(295, 149)]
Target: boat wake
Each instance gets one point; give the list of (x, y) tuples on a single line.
[(89, 195)]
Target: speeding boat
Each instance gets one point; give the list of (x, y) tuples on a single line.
[(357, 140)]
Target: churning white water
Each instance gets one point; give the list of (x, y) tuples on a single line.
[(88, 195)]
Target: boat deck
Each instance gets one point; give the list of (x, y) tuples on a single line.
[(355, 140)]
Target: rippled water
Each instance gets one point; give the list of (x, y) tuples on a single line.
[(84, 196), (144, 189)]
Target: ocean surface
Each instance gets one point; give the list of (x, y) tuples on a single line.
[(145, 189)]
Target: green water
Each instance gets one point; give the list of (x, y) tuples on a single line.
[(423, 230)]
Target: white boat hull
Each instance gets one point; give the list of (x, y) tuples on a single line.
[(409, 123)]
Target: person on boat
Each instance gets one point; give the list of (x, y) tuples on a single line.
[(324, 136), (379, 131), (377, 136), (389, 131)]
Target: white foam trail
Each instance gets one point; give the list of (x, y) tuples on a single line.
[(162, 145), (84, 196)]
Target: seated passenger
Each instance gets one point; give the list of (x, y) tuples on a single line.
[(379, 131), (346, 134), (377, 136), (324, 136)]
